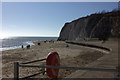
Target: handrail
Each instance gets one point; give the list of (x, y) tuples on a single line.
[(31, 75), (33, 61), (17, 65), (16, 69), (68, 67)]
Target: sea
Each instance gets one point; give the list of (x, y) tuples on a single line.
[(17, 42)]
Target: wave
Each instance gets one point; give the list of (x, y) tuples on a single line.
[(15, 47), (17, 42)]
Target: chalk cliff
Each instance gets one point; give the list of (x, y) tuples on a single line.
[(101, 26)]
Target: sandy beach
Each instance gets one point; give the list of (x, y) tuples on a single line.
[(74, 55), (84, 34)]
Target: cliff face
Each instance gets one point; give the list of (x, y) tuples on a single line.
[(94, 26)]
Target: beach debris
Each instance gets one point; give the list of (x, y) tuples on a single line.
[(51, 41), (103, 41), (38, 43), (28, 46), (67, 45), (45, 41)]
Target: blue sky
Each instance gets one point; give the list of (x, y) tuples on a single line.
[(45, 18)]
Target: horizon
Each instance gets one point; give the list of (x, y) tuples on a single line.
[(45, 19), (27, 37)]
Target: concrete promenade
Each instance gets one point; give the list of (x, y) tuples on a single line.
[(109, 60)]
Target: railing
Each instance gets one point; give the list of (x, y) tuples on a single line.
[(17, 65)]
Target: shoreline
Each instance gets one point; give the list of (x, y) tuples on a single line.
[(31, 43), (17, 42)]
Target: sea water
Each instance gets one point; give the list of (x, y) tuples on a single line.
[(17, 42)]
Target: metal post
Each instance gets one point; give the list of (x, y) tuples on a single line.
[(16, 70), (117, 74)]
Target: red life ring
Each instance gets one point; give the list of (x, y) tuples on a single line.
[(52, 60)]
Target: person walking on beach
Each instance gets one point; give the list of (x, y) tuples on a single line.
[(22, 46)]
